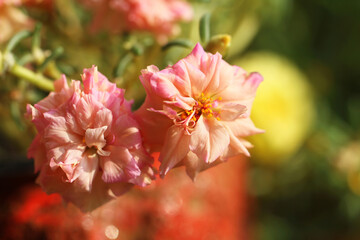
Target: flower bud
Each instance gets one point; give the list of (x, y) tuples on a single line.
[(219, 43)]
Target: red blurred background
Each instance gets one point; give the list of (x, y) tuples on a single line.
[(215, 206)]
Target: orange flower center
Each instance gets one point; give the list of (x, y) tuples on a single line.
[(205, 106)]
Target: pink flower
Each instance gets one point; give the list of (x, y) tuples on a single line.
[(159, 17), (197, 111), (12, 19), (10, 2), (88, 147)]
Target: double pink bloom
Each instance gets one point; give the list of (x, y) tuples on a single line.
[(196, 112), (89, 148)]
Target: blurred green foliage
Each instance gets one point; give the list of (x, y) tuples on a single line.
[(307, 197)]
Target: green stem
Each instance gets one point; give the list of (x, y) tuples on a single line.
[(54, 54), (36, 36), (16, 39), (34, 78), (122, 65), (185, 43), (25, 59)]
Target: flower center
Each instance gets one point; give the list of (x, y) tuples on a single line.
[(95, 141), (205, 106)]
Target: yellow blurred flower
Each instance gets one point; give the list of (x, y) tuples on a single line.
[(283, 106)]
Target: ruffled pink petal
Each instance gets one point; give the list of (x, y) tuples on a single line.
[(86, 170), (94, 137), (221, 74), (152, 125), (211, 67), (142, 157), (189, 78), (208, 66), (126, 132), (68, 153), (242, 89), (243, 127), (75, 86), (84, 109), (182, 79), (68, 162), (94, 81), (55, 99), (61, 84), (238, 144), (57, 132), (233, 150), (118, 106), (36, 117), (229, 111), (200, 141), (166, 111), (194, 166), (144, 161), (145, 178), (185, 103), (73, 125), (167, 90), (146, 75), (119, 166), (209, 140), (52, 101), (175, 148), (162, 84), (196, 56)]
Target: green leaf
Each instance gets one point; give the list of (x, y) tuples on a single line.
[(204, 28)]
